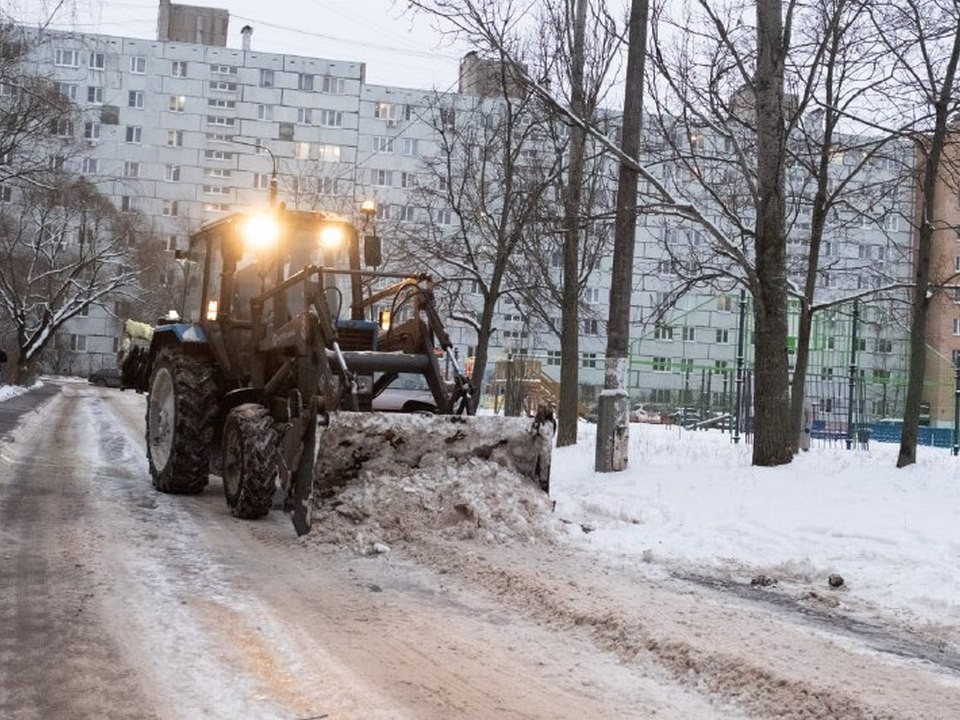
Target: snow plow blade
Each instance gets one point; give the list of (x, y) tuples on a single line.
[(382, 442)]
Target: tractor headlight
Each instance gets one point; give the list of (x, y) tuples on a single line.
[(331, 236), (261, 232)]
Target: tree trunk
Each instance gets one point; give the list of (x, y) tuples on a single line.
[(570, 309), (772, 442), (613, 419)]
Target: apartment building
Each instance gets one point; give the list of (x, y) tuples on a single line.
[(184, 132)]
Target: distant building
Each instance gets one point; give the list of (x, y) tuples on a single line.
[(489, 77), (192, 24)]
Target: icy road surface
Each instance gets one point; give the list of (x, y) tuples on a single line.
[(119, 602)]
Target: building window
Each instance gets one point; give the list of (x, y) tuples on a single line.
[(301, 151), (408, 213), (222, 86), (724, 303), (218, 155), (78, 343), (305, 82), (384, 211), (216, 190), (171, 173), (221, 120), (332, 85), (90, 166), (591, 326), (131, 169), (135, 99), (663, 332), (409, 147), (57, 162), (67, 58), (95, 95), (662, 364), (134, 134), (96, 61), (138, 65), (723, 336), (61, 128), (91, 130), (171, 208), (304, 116), (6, 193), (445, 217), (591, 295), (178, 103), (408, 180), (588, 360), (382, 178), (261, 181), (328, 153), (179, 68), (264, 112), (223, 70), (222, 104), (217, 172), (689, 333), (68, 90), (175, 138), (331, 118), (382, 144), (125, 204), (266, 78), (720, 366), (885, 345), (553, 358)]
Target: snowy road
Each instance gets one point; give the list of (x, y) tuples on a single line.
[(118, 602)]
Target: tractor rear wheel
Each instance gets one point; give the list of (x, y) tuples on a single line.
[(249, 461), (181, 416)]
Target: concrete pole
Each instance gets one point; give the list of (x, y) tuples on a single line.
[(613, 412)]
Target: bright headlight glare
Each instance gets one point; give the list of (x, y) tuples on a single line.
[(260, 232), (331, 236)]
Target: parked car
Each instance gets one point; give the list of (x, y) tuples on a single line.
[(408, 394), (686, 416), (105, 377)]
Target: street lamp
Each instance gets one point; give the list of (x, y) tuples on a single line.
[(273, 161)]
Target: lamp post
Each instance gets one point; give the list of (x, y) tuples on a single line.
[(273, 162)]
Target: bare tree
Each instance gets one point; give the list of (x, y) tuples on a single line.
[(922, 39), (574, 55), (61, 251), (480, 197)]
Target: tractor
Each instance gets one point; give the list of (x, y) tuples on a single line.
[(283, 337)]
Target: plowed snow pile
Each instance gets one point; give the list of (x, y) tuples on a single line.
[(419, 491)]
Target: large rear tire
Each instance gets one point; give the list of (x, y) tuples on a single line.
[(181, 415), (249, 461)]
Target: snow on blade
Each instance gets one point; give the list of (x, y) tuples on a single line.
[(384, 478)]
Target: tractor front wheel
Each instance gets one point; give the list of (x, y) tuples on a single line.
[(249, 461), (181, 416)]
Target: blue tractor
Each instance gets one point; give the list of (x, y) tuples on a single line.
[(283, 331)]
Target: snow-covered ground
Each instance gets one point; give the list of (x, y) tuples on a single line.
[(691, 501)]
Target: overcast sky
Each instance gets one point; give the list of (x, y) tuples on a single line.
[(399, 49)]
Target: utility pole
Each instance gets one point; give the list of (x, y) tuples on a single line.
[(569, 399), (613, 412)]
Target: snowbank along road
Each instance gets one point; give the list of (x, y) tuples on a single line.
[(412, 598)]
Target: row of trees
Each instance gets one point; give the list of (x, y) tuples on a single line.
[(785, 88)]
